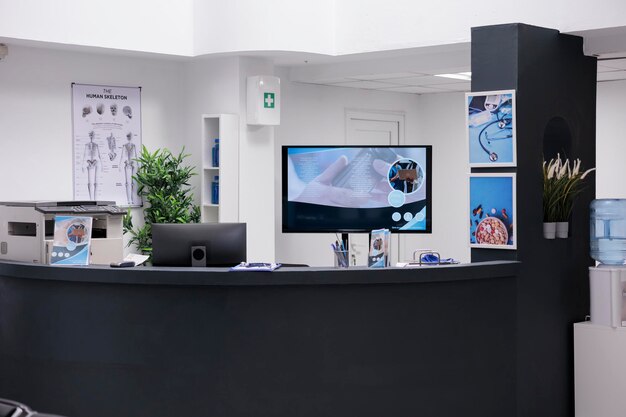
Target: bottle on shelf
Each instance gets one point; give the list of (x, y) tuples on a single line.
[(215, 190), (215, 153)]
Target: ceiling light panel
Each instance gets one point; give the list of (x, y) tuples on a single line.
[(465, 76), (413, 89), (602, 68), (365, 84), (613, 63), (612, 76), (387, 76), (425, 80), (326, 80), (465, 86)]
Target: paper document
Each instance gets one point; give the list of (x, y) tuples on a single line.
[(255, 266)]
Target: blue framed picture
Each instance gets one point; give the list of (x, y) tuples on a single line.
[(492, 212), (490, 121)]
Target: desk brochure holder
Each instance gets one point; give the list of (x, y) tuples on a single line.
[(72, 240), (379, 249)]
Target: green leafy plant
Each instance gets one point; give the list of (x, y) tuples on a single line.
[(163, 183), (562, 182)]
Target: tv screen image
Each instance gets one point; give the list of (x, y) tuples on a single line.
[(356, 188)]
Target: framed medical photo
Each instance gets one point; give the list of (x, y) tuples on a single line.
[(490, 122), (492, 211)]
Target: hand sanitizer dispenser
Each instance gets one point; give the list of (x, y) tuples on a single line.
[(263, 104)]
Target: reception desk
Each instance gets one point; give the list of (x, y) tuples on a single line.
[(96, 341)]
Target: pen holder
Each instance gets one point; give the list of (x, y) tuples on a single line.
[(342, 258)]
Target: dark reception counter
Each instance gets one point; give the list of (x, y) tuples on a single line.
[(96, 341)]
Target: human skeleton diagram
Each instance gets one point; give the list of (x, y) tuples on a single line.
[(91, 160), (128, 156), (112, 147)]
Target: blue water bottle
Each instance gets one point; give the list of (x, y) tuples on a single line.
[(215, 190), (215, 153), (608, 231)]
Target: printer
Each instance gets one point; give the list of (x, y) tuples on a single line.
[(27, 229)]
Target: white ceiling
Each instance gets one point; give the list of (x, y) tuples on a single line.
[(610, 69), (404, 71), (412, 71), (404, 82)]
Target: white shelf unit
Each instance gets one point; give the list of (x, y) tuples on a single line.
[(224, 127)]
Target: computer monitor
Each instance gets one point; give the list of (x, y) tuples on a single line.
[(198, 244), (352, 189)]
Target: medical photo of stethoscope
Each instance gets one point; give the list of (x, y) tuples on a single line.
[(491, 128)]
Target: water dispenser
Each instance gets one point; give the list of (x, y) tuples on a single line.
[(608, 231)]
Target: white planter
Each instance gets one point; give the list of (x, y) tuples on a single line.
[(562, 229), (549, 230)]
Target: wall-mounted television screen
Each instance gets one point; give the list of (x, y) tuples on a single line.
[(356, 188)]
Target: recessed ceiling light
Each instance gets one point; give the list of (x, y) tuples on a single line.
[(466, 76)]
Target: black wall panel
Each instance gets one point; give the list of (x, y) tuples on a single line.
[(555, 87)]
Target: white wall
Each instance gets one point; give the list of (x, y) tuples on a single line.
[(211, 86), (313, 114), (268, 25), (334, 27), (256, 171), (36, 130), (373, 25), (218, 85), (441, 121), (35, 120), (610, 140), (159, 26)]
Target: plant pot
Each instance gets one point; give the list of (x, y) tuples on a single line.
[(549, 230), (562, 229)]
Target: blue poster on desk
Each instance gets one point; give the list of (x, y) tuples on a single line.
[(72, 240)]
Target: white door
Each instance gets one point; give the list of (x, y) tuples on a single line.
[(372, 128)]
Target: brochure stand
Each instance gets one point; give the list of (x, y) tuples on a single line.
[(379, 249)]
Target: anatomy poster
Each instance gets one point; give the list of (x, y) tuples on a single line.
[(106, 139), (491, 128)]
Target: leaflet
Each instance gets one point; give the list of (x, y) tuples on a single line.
[(72, 240)]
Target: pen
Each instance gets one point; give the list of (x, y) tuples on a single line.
[(341, 255)]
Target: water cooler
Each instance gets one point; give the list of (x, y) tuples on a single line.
[(600, 343)]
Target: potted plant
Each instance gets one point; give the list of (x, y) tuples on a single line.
[(562, 182), (163, 183)]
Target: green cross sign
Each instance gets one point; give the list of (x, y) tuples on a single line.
[(268, 100)]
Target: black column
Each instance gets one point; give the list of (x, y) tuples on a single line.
[(555, 87)]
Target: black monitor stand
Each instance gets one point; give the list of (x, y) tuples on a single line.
[(198, 256)]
